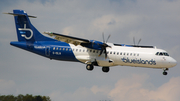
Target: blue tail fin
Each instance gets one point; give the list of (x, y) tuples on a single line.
[(25, 30)]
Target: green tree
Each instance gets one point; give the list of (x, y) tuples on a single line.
[(38, 98), (26, 97)]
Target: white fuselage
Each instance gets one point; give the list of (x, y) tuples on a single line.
[(125, 56)]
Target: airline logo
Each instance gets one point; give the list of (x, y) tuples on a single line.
[(138, 61), (23, 32)]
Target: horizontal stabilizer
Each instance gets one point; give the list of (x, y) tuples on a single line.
[(16, 14), (25, 30)]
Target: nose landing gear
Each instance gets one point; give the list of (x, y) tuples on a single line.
[(165, 73)]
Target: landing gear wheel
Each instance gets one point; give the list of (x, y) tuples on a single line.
[(165, 73), (165, 69), (105, 69), (89, 67)]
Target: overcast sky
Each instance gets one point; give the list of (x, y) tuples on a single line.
[(156, 22)]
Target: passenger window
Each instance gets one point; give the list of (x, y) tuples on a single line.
[(134, 54), (131, 54), (117, 53), (59, 48), (93, 51), (63, 48), (110, 52), (137, 54), (87, 50), (121, 53), (83, 50), (124, 53), (70, 49), (90, 50), (54, 48), (97, 51), (114, 52), (76, 49), (127, 53), (79, 50), (66, 49)]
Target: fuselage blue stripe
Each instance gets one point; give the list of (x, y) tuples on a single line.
[(51, 49)]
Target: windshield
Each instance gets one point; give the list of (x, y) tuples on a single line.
[(162, 54)]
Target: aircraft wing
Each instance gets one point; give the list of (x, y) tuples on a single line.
[(92, 44), (68, 39)]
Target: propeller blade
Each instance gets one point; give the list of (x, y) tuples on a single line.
[(139, 41), (101, 51), (104, 45), (93, 43), (108, 38), (105, 52), (103, 37)]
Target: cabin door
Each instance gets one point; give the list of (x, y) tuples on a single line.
[(47, 51)]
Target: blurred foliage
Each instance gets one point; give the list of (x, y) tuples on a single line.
[(26, 97)]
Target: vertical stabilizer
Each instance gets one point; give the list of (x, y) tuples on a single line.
[(25, 30)]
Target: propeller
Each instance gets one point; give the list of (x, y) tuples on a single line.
[(134, 40), (93, 43), (104, 45), (108, 38), (135, 43), (139, 41)]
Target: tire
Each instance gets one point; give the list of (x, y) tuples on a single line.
[(165, 73), (89, 67), (105, 69)]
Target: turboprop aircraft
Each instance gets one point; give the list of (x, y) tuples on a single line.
[(90, 52)]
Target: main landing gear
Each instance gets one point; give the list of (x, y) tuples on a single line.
[(165, 69), (90, 67), (105, 69)]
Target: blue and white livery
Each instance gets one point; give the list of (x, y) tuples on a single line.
[(90, 52)]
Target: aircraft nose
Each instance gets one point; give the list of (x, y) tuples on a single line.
[(173, 62)]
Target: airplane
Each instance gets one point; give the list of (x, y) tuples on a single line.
[(90, 52)]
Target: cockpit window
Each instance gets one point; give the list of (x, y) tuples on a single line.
[(157, 53), (166, 54), (162, 54)]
